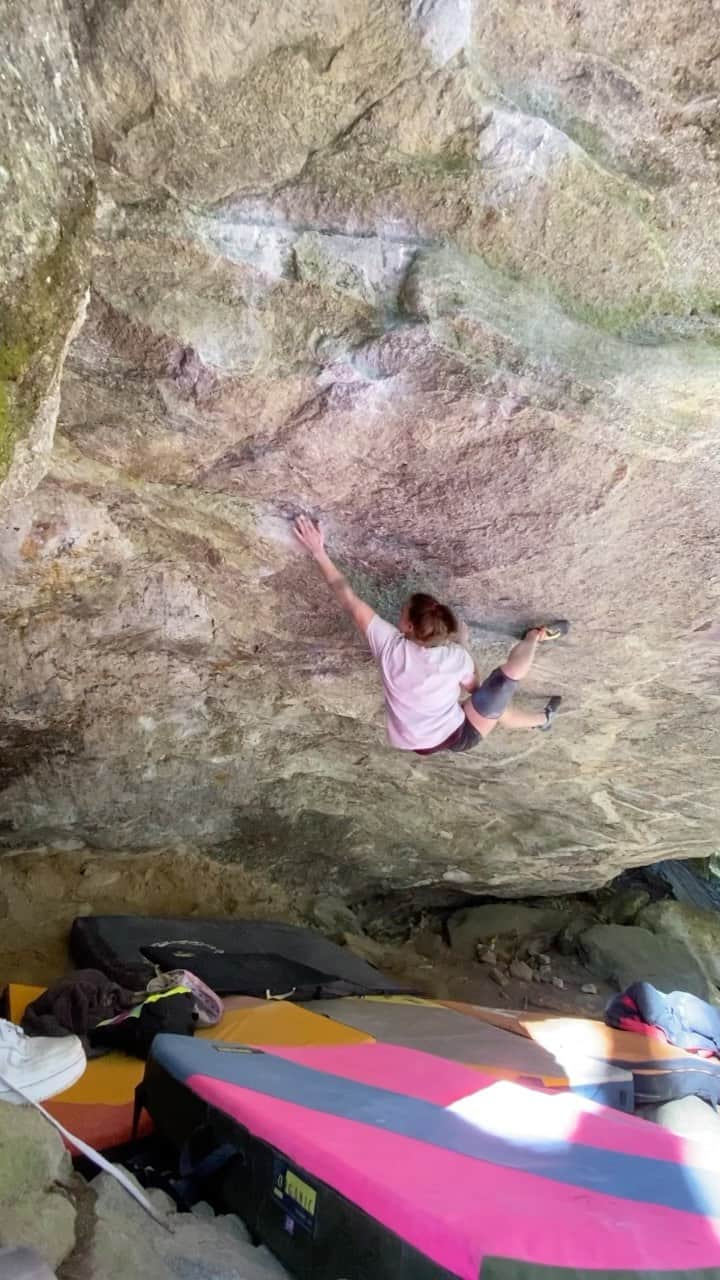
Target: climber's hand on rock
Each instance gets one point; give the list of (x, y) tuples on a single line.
[(310, 535)]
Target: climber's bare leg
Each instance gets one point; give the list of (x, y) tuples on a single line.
[(520, 659), (516, 718), (494, 693), (512, 718)]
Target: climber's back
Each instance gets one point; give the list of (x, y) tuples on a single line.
[(422, 670)]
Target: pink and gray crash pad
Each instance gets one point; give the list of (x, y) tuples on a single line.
[(376, 1160)]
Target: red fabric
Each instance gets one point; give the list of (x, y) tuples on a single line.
[(633, 1022)]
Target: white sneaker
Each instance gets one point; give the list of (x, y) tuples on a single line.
[(39, 1065)]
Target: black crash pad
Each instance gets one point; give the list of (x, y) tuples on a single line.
[(240, 957)]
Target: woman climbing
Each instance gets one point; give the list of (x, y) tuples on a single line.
[(425, 669)]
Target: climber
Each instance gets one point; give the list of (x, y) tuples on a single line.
[(425, 670)]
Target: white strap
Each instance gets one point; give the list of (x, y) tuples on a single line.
[(114, 1170)]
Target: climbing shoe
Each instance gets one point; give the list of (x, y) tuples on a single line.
[(551, 709), (553, 630)]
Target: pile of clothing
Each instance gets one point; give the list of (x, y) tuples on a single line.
[(678, 1018), (105, 1016)]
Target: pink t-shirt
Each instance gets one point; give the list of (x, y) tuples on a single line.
[(421, 686)]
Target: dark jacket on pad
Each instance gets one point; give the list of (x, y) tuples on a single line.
[(75, 1004), (170, 1012), (105, 1016)]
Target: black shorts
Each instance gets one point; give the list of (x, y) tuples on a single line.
[(490, 699), (461, 739)]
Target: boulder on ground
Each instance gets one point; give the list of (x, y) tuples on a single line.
[(334, 917), (34, 1209), (698, 930), (568, 939), (365, 948), (128, 1244), (623, 906), (687, 1117), (510, 921), (520, 970), (624, 954)]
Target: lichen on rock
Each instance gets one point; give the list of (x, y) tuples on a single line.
[(47, 189)]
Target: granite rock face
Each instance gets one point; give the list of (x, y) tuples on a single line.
[(36, 1208), (46, 209), (448, 276)]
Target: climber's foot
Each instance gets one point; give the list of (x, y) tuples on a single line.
[(550, 630), (552, 707)]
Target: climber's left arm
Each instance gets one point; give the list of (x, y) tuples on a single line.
[(311, 537)]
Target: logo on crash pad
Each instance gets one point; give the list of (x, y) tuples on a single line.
[(296, 1197)]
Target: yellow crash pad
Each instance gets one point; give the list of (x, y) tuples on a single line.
[(99, 1108)]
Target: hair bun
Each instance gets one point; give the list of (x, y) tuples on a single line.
[(431, 620)]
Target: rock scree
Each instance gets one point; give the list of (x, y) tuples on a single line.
[(36, 1208), (444, 275), (96, 1231)]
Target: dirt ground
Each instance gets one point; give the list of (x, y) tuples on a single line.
[(431, 967), (41, 892)]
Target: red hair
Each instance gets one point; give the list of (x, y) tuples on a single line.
[(432, 623)]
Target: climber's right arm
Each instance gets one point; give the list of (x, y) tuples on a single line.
[(312, 539)]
